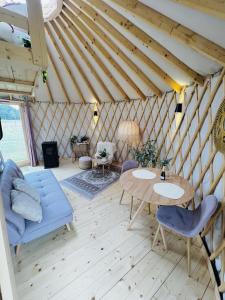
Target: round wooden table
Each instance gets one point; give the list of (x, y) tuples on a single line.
[(143, 189)]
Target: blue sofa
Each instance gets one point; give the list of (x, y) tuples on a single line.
[(57, 210)]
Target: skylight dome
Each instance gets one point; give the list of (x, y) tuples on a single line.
[(50, 7)]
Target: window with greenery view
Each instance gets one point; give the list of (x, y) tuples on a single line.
[(12, 146)]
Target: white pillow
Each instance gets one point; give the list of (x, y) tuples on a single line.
[(26, 206), (21, 185)]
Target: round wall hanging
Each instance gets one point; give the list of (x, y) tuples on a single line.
[(219, 128)]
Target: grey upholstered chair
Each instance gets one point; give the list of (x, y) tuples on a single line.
[(188, 223), (128, 165)]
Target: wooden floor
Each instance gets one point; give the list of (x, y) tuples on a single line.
[(100, 259)]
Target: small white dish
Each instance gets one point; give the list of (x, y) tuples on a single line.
[(143, 174), (168, 190)]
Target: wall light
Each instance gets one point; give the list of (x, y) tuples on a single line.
[(95, 114), (178, 108)]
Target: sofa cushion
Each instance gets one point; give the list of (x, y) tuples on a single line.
[(10, 172), (21, 185), (26, 206), (55, 205)]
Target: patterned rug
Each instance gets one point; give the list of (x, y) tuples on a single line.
[(89, 183)]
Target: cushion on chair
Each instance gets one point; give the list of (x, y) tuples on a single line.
[(186, 222), (128, 165), (109, 147)]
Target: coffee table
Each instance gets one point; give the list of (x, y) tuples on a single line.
[(103, 162)]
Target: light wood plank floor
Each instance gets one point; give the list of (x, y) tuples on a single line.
[(100, 259)]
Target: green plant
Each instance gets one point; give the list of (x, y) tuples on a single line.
[(84, 139), (165, 162), (146, 155), (102, 153), (44, 76), (73, 140)]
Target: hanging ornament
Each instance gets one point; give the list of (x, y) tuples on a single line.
[(219, 128)]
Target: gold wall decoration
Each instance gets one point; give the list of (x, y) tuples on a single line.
[(219, 128)]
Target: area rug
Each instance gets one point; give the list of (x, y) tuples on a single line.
[(89, 183)]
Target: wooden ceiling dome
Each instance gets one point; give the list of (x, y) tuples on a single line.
[(101, 51)]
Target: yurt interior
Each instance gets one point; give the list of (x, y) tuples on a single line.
[(112, 140)]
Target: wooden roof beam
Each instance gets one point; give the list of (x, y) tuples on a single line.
[(47, 26), (102, 49), (15, 92), (176, 30), (92, 70), (58, 76), (11, 53), (75, 62), (71, 10), (36, 31), (215, 8), (97, 18), (13, 18), (90, 50), (147, 40), (15, 81), (49, 92)]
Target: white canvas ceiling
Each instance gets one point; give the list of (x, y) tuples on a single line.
[(96, 56)]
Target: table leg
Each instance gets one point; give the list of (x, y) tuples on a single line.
[(139, 210)]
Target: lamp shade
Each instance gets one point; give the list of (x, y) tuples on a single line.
[(129, 132)]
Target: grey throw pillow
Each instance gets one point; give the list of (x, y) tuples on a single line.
[(26, 206), (22, 186)]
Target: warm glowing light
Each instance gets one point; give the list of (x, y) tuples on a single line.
[(129, 133), (179, 108), (95, 113)]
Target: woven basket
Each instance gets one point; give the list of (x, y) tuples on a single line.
[(219, 128)]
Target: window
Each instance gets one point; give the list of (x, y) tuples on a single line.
[(12, 145), (50, 8)]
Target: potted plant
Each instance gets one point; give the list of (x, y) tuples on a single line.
[(84, 139), (164, 164), (73, 140), (146, 155)]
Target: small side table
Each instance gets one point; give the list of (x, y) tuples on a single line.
[(99, 162), (80, 149)]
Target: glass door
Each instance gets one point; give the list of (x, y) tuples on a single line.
[(13, 144)]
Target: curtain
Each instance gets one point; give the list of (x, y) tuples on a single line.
[(30, 136)]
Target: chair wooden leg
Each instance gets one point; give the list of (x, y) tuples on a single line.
[(163, 236), (189, 256), (131, 206), (156, 235), (17, 250), (68, 227), (149, 208), (121, 197)]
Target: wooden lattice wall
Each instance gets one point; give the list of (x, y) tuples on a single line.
[(189, 143)]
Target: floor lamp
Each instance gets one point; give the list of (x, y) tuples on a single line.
[(129, 133)]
